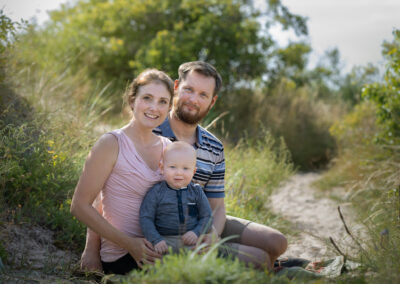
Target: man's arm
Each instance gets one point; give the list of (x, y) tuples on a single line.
[(217, 203), (205, 218), (219, 214)]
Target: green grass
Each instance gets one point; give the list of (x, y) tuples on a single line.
[(194, 268), (254, 170)]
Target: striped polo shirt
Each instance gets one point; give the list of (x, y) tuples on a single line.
[(210, 172)]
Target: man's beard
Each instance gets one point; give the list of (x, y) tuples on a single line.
[(188, 117)]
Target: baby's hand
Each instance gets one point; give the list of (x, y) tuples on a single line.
[(189, 238), (161, 247)]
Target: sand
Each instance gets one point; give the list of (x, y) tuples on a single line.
[(315, 218)]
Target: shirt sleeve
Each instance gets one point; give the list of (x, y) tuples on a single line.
[(215, 187), (147, 216), (204, 212)]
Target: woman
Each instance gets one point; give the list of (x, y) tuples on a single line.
[(122, 166)]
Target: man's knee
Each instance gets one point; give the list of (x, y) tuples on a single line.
[(256, 257), (280, 244)]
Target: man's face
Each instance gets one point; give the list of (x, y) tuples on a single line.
[(194, 97)]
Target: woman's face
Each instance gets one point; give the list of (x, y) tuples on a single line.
[(151, 105)]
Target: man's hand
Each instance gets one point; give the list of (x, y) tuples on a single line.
[(212, 237), (189, 238), (161, 247)]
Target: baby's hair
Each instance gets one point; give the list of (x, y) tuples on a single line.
[(180, 146)]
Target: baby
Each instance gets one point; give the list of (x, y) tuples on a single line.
[(175, 212)]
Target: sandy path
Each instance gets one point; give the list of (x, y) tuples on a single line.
[(315, 219)]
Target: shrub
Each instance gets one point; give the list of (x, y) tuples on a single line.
[(286, 112), (38, 178), (45, 137)]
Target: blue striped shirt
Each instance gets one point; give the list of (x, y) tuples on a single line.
[(210, 173)]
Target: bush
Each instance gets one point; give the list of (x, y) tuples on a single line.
[(286, 112), (45, 137), (38, 179)]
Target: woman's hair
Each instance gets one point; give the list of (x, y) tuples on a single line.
[(146, 77)]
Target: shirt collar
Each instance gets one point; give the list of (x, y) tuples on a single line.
[(166, 131), (183, 188)]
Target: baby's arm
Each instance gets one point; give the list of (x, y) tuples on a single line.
[(147, 216), (204, 218)]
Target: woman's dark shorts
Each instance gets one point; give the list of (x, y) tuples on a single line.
[(122, 265)]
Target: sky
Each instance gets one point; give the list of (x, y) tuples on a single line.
[(356, 27)]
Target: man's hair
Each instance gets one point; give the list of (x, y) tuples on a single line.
[(203, 68)]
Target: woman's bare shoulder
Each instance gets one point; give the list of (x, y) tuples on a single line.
[(106, 145)]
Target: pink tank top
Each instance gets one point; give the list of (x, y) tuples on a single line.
[(124, 191)]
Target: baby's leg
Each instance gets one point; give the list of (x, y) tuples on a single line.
[(176, 243)]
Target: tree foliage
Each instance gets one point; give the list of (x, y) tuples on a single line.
[(386, 95), (7, 30), (117, 39)]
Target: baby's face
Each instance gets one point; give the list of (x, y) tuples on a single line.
[(178, 168)]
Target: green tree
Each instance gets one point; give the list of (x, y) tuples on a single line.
[(117, 39), (290, 62), (386, 95), (7, 31), (352, 84)]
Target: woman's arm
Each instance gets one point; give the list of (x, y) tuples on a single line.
[(90, 258), (97, 169)]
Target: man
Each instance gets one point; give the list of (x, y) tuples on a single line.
[(195, 94)]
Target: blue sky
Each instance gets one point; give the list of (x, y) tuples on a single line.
[(356, 27)]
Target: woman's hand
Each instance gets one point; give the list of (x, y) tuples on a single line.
[(90, 261), (143, 251)]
